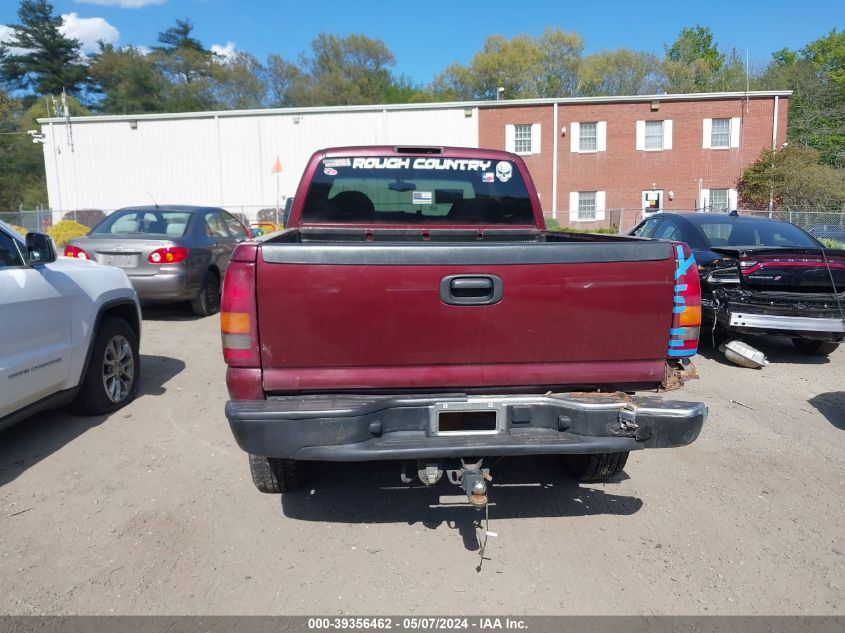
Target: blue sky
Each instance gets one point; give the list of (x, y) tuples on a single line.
[(427, 35)]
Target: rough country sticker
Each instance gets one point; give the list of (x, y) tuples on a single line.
[(440, 164), (337, 162), (487, 176), (504, 171), (329, 171), (421, 197)]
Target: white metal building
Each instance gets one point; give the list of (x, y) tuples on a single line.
[(223, 158), (589, 150)]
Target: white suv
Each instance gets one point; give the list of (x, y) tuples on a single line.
[(69, 331)]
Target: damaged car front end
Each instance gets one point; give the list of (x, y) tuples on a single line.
[(794, 292)]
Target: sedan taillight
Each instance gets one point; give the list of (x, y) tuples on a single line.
[(75, 251), (168, 255)]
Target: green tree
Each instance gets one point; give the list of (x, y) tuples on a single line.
[(44, 61), (560, 62), (525, 66), (22, 178), (336, 71), (795, 178), (189, 68), (620, 72), (240, 82), (127, 80), (816, 75), (694, 63), (696, 44)]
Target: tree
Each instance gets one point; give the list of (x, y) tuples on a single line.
[(620, 72), (696, 44), (795, 179), (240, 82), (336, 71), (38, 57), (816, 75), (188, 66), (128, 81), (694, 63), (561, 62), (525, 66)]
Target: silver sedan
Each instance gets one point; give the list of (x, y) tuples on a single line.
[(169, 252)]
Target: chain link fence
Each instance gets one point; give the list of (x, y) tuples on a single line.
[(828, 225)]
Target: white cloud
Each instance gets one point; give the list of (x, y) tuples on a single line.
[(123, 4), (6, 34), (88, 30), (226, 51)]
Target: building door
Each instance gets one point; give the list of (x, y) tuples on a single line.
[(652, 202)]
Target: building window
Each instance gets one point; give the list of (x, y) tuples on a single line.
[(718, 197), (654, 134), (586, 205), (522, 139), (588, 137), (720, 133)]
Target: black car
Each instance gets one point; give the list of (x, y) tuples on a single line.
[(761, 276)]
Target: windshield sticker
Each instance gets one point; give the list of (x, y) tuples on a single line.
[(487, 176), (421, 197), (337, 162), (450, 164), (329, 171), (504, 171)]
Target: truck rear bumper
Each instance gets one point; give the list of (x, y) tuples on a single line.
[(362, 428)]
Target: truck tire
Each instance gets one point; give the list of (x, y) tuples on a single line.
[(207, 302), (114, 369), (274, 475), (814, 348), (595, 467)]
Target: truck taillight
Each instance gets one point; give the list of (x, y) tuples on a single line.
[(75, 251), (686, 306), (238, 322)]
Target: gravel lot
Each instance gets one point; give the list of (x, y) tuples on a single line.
[(152, 511)]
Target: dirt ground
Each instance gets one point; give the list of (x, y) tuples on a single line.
[(152, 511)]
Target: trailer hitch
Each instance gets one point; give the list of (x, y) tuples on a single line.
[(473, 479)]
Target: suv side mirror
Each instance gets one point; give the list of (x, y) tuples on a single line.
[(40, 248)]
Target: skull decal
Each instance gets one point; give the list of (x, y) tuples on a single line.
[(504, 171)]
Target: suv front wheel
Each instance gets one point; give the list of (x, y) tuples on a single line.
[(111, 379)]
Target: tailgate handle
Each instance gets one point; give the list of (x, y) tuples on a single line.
[(471, 290)]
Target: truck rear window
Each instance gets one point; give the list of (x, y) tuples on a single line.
[(417, 190)]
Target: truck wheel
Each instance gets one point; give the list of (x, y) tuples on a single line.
[(273, 475), (111, 379), (207, 302), (814, 348), (595, 467)]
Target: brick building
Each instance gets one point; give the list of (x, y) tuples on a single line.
[(611, 160), (597, 161)]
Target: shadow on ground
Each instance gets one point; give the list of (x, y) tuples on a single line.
[(36, 438), (169, 312), (777, 349), (832, 406), (371, 492)]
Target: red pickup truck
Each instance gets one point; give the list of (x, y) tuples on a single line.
[(416, 309)]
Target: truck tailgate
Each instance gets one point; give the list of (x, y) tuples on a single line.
[(370, 317)]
